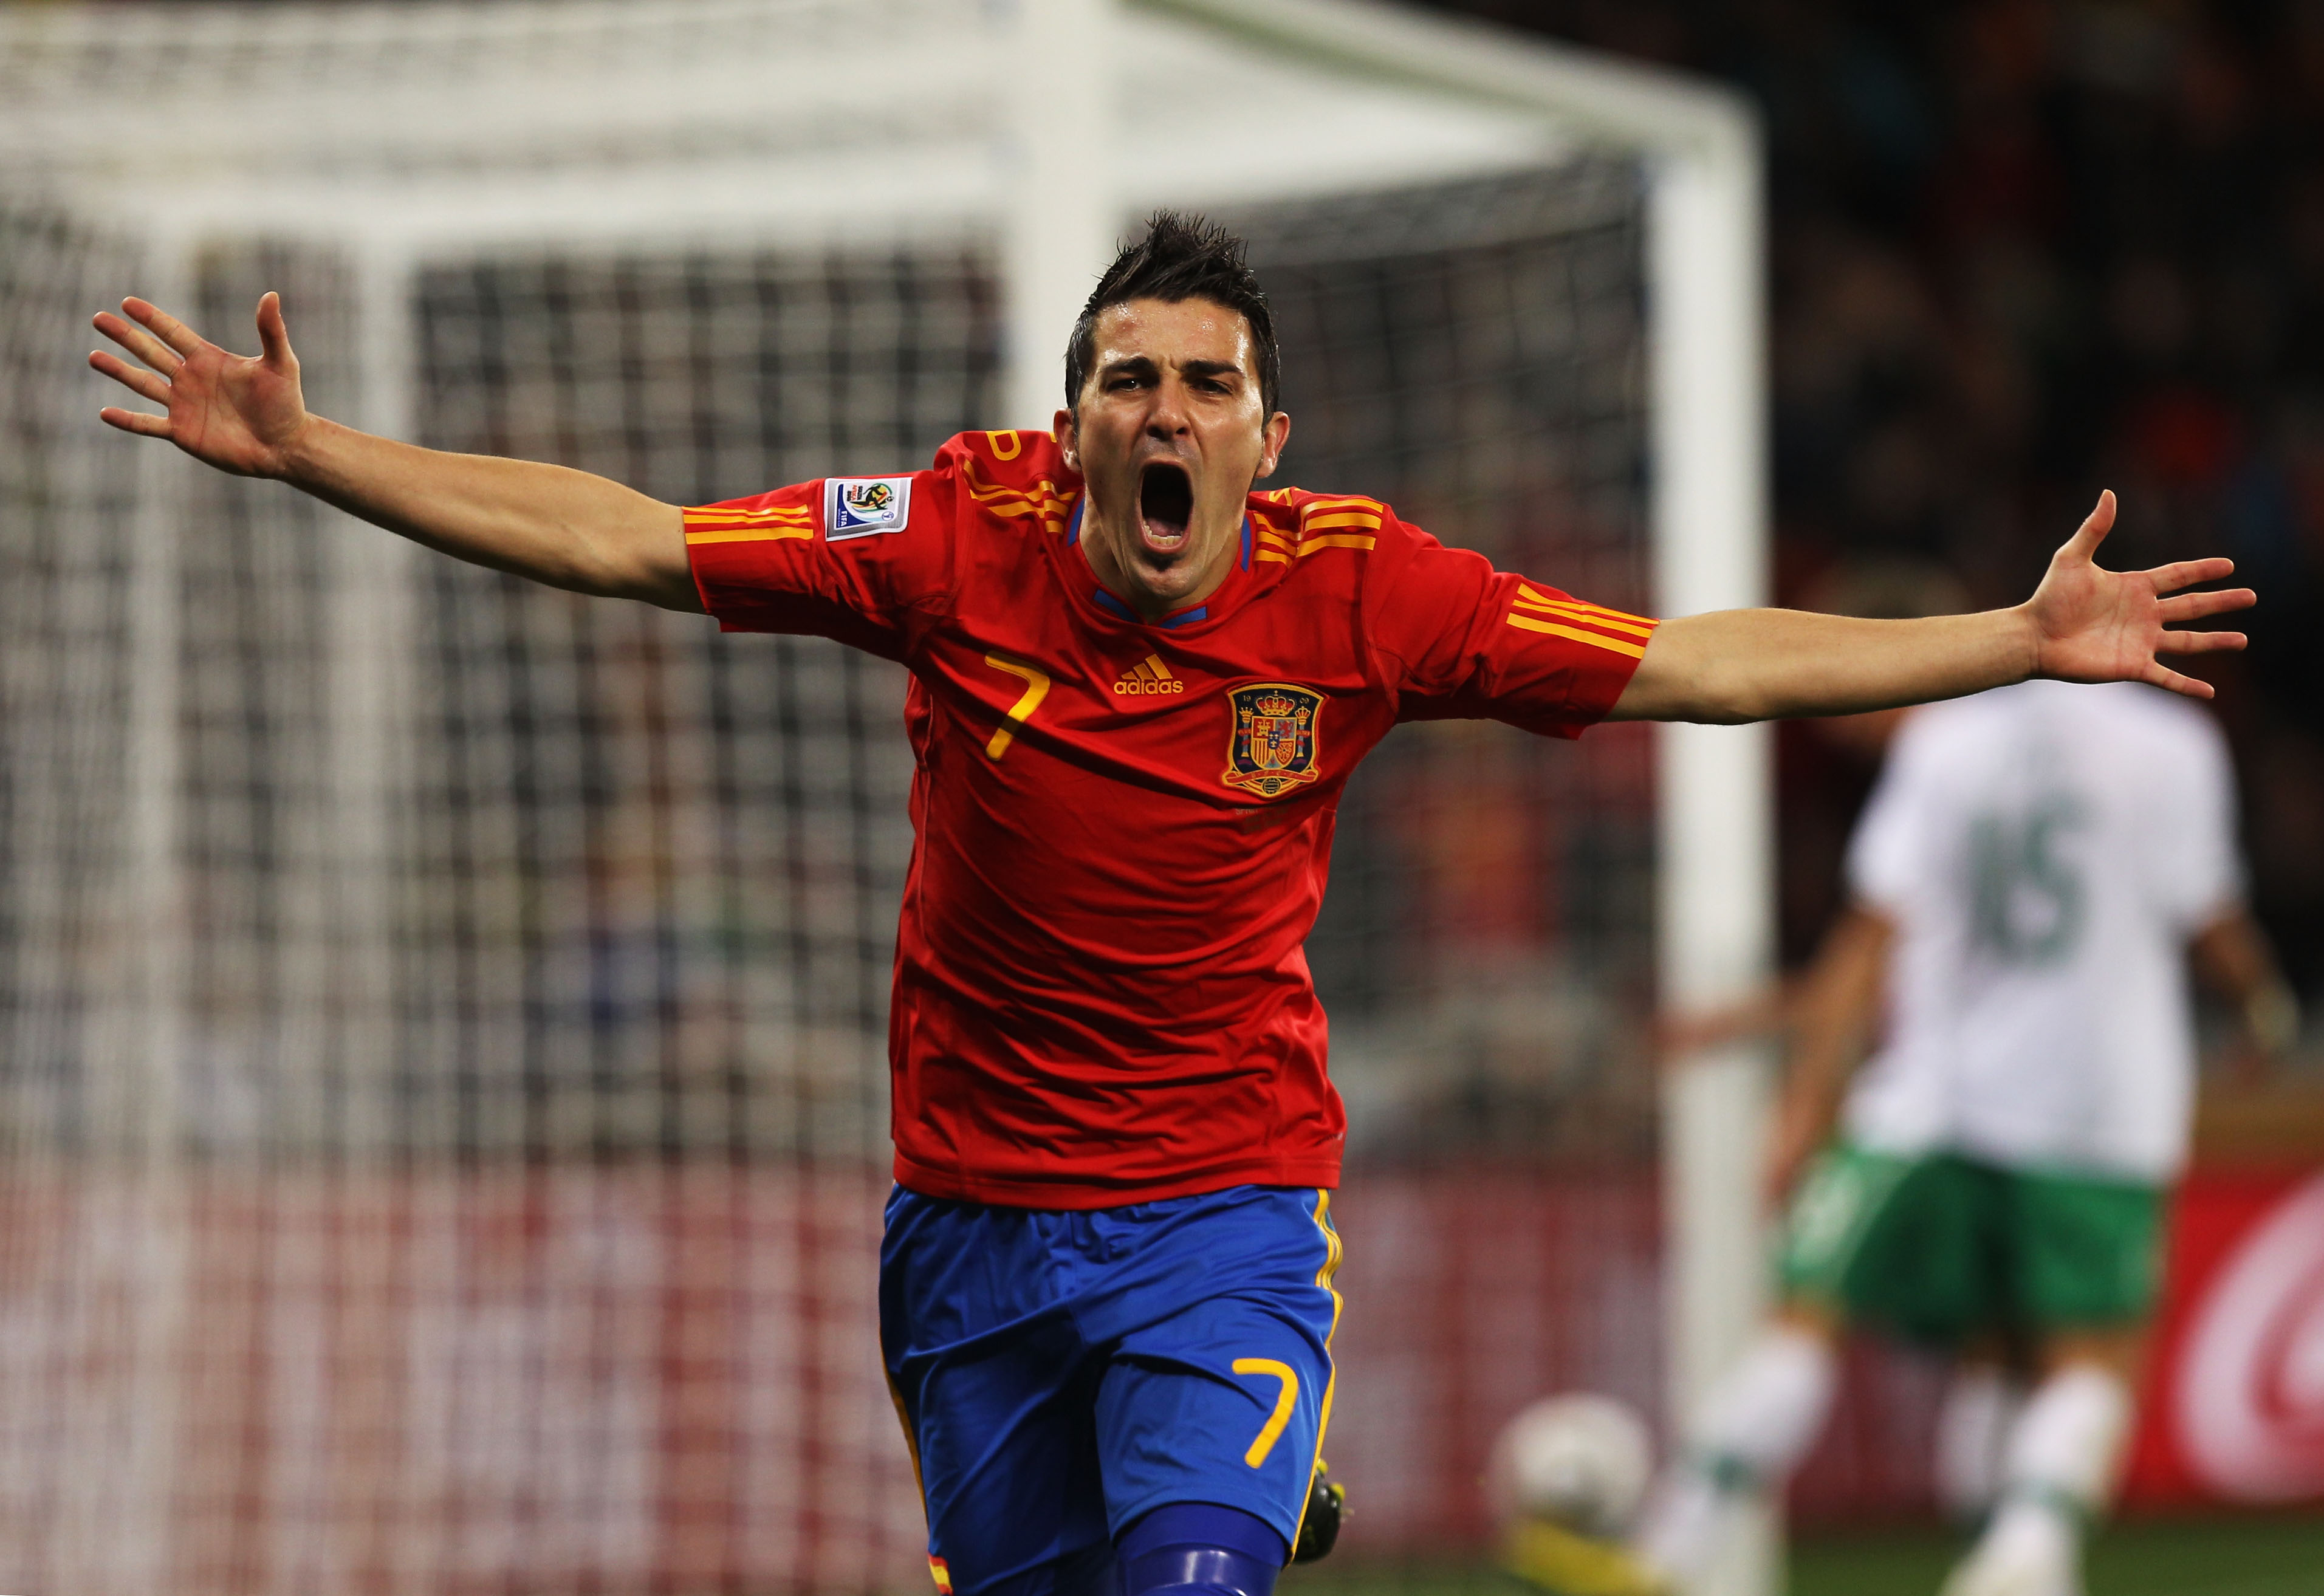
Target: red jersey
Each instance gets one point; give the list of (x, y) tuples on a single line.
[(1122, 827)]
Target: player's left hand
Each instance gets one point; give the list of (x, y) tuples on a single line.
[(2095, 625)]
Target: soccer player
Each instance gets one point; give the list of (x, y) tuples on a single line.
[(2028, 882), (1139, 686)]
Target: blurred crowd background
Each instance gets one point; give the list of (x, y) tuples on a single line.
[(2021, 250)]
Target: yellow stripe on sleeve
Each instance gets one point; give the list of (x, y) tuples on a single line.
[(1584, 613), (1530, 596), (1308, 546), (1369, 519), (759, 534), (1594, 612), (1634, 650)]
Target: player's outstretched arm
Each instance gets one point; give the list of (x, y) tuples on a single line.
[(2083, 625), (245, 415)]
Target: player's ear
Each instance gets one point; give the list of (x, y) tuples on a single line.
[(1061, 428), (1272, 437)]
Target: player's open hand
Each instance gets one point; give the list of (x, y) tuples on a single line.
[(236, 412), (2095, 625)]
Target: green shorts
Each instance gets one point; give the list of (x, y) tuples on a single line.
[(1941, 1247)]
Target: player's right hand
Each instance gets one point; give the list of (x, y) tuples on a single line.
[(237, 412)]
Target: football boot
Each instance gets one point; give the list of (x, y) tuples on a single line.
[(1561, 1562), (1319, 1527)]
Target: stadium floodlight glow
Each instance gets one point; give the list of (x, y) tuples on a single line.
[(330, 863)]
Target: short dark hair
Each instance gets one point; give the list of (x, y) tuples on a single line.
[(1181, 257)]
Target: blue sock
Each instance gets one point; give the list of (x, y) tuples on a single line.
[(1200, 1549)]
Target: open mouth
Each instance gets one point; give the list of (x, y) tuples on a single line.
[(1166, 503)]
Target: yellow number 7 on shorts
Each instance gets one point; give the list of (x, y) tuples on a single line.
[(1284, 1402)]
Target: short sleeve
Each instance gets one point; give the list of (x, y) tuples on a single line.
[(1884, 853), (866, 560), (1463, 640), (2193, 842)]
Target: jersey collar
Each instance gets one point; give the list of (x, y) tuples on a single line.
[(1177, 618)]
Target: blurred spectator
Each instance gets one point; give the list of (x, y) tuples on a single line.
[(2022, 249)]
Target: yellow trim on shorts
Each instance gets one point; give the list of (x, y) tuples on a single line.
[(1332, 1255), (911, 1441)]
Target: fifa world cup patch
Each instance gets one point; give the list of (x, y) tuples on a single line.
[(858, 506), (1272, 747)]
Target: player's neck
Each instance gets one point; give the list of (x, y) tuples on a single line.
[(1098, 554)]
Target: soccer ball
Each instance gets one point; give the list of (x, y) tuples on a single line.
[(1582, 1461)]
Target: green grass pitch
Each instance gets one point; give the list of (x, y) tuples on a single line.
[(2235, 1557), (2195, 1557)]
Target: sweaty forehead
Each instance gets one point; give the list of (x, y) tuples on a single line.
[(1171, 332)]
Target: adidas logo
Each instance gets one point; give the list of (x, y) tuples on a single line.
[(1150, 675)]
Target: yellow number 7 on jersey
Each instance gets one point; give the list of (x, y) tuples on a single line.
[(1037, 687)]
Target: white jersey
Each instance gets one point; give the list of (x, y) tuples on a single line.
[(2045, 852)]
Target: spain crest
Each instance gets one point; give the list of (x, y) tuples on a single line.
[(1272, 747)]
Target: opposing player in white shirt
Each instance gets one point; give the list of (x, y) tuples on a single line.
[(2034, 869)]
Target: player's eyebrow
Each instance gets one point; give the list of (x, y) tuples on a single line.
[(1211, 368), (1147, 365)]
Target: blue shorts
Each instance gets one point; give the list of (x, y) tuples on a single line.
[(1062, 1374)]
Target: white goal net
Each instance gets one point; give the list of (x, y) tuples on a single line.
[(443, 1020)]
